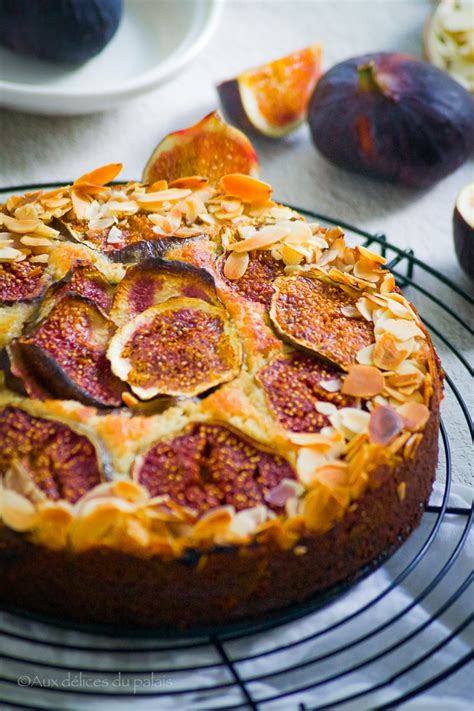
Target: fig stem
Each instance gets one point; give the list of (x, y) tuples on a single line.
[(368, 79)]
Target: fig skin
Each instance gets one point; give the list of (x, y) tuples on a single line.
[(463, 233), (394, 117), (69, 31)]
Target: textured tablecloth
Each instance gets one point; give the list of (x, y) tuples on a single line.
[(36, 148)]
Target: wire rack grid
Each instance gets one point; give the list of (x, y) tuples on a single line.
[(373, 647)]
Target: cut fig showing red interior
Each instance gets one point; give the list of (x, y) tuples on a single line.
[(209, 465), (67, 354), (22, 281), (182, 347), (307, 312), (294, 385), (62, 463), (83, 280), (463, 228), (156, 280)]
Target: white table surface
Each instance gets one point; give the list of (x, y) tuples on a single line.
[(38, 148)]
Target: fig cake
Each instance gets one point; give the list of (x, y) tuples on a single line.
[(210, 408)]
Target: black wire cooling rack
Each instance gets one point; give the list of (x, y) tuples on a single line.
[(398, 633)]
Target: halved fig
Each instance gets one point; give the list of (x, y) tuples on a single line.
[(211, 148), (293, 386), (61, 462), (463, 228), (83, 280), (307, 312), (22, 281), (67, 354), (257, 282), (182, 347), (273, 99), (209, 465), (156, 280)]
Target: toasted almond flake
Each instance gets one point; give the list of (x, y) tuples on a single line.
[(388, 354), (363, 381), (30, 241), (245, 522), (307, 462), (9, 254), (310, 439), (367, 271), (388, 284), (265, 237), (411, 379), (157, 186), (192, 182), (21, 227), (80, 204), (385, 424), (129, 490), (285, 489), (246, 231), (115, 235), (162, 196), (214, 523), (293, 255), (365, 308), (245, 187), (116, 207), (350, 312), (365, 355), (17, 511), (412, 445), (39, 259), (236, 265), (415, 415), (327, 256), (299, 231), (370, 256), (402, 490), (354, 419), (331, 386), (325, 408), (401, 329), (100, 176)]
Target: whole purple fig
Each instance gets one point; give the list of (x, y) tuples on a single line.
[(394, 117)]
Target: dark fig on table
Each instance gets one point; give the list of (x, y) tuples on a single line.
[(394, 117), (69, 31), (463, 228)]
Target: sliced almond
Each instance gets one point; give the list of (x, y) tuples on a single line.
[(162, 196), (385, 424), (80, 204), (363, 381), (367, 270), (401, 329), (17, 511), (245, 187), (365, 355), (331, 386), (370, 256), (325, 408), (265, 237), (354, 420), (9, 254), (100, 176), (21, 227), (236, 265), (415, 415), (388, 353)]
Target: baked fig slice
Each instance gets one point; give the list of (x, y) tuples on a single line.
[(22, 281), (309, 314), (463, 228), (67, 354), (209, 465), (182, 347), (156, 280), (210, 148), (295, 384), (256, 284), (62, 463), (273, 99), (82, 280)]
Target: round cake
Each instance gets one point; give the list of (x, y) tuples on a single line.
[(210, 408)]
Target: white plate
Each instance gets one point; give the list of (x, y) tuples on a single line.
[(155, 39)]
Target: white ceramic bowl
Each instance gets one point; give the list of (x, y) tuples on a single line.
[(155, 39)]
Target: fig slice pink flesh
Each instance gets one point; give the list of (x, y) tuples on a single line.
[(67, 353), (61, 462), (22, 281), (181, 347)]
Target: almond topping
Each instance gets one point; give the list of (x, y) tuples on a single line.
[(236, 265), (363, 381), (17, 511), (192, 182), (401, 329), (21, 227), (9, 254), (161, 196), (370, 256), (388, 354), (384, 425), (331, 386), (246, 188), (263, 238), (415, 415), (100, 176)]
